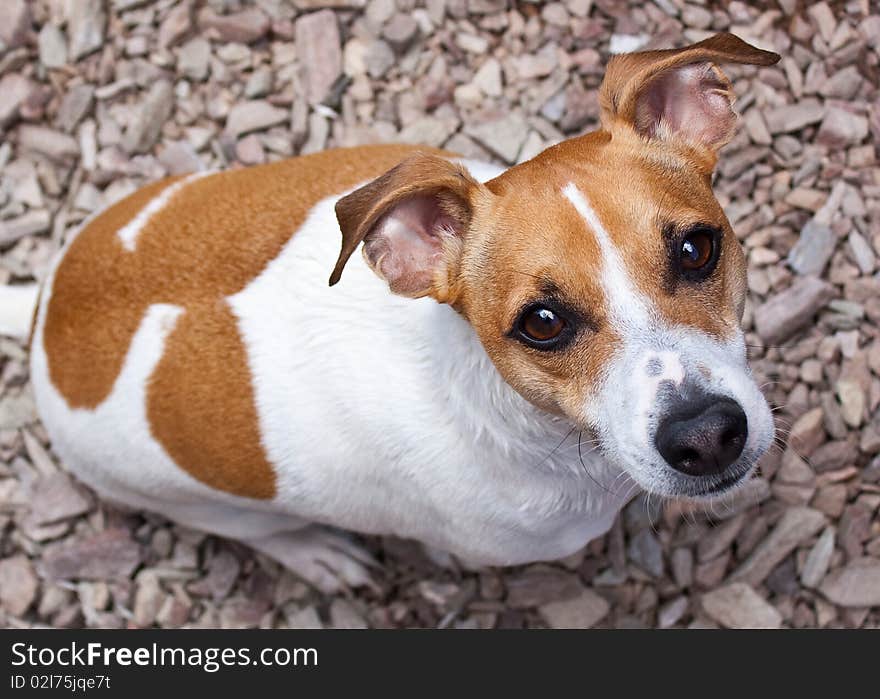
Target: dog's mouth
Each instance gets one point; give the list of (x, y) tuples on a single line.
[(727, 483), (710, 488), (675, 485)]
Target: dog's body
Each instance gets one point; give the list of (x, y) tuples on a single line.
[(189, 359), (461, 470)]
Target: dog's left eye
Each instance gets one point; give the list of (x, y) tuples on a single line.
[(540, 327), (698, 253)]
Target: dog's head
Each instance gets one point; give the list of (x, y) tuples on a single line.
[(602, 277)]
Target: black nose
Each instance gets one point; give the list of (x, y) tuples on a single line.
[(703, 440)]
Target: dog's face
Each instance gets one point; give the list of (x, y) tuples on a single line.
[(607, 285), (602, 277)]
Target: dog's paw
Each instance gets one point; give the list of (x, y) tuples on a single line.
[(327, 560)]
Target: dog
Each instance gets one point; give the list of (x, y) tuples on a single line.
[(513, 355)]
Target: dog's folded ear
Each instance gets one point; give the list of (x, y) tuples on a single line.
[(411, 220), (678, 93)]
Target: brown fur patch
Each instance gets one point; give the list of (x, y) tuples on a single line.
[(96, 306), (214, 435), (215, 236), (525, 239)]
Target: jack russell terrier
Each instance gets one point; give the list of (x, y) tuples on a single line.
[(514, 353)]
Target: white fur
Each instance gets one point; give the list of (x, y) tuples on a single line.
[(627, 308), (671, 370), (371, 422), (629, 438)]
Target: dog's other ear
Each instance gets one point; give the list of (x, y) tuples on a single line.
[(411, 221), (678, 93)]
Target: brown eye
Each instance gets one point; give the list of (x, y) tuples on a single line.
[(697, 250), (541, 325)]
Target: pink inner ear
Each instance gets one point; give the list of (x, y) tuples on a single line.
[(406, 245), (691, 102)]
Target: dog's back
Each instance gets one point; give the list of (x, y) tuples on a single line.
[(141, 304)]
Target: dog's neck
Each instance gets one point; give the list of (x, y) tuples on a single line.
[(490, 413)]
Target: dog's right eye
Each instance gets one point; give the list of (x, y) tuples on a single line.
[(540, 327), (697, 252)]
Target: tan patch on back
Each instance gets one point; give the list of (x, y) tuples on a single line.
[(95, 309), (200, 430), (215, 236)]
